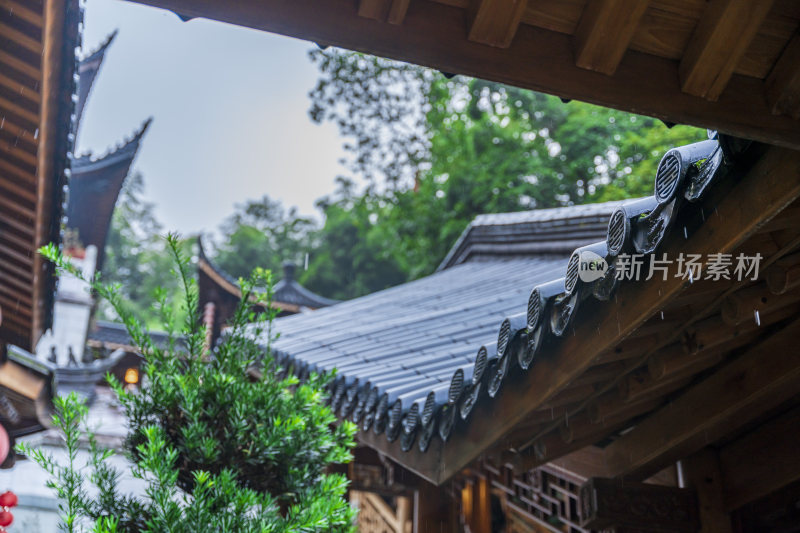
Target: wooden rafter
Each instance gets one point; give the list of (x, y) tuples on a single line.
[(605, 31), (783, 83), (16, 63), (433, 34), (495, 22), (766, 376), (23, 11), (762, 461), (723, 34), (391, 11)]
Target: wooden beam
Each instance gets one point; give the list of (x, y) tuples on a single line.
[(702, 473), (553, 445), (374, 9), (767, 375), (605, 31), (15, 62), (588, 462), (495, 22), (722, 36), (21, 89), (742, 306), (762, 461), (391, 11), (398, 11), (784, 275), (432, 34), (783, 83), (16, 36), (23, 11)]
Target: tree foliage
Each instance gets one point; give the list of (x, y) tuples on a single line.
[(451, 149), (136, 255), (425, 155), (262, 232), (218, 450)]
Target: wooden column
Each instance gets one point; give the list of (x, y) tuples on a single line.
[(702, 473), (481, 507), (434, 512), (404, 514)]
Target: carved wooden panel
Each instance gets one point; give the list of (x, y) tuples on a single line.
[(377, 515), (540, 500), (609, 503)]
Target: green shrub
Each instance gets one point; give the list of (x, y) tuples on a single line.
[(219, 449)]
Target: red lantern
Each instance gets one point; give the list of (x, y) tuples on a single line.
[(6, 518), (8, 499)]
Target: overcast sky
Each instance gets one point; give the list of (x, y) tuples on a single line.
[(229, 107)]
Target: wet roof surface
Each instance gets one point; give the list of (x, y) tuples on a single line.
[(443, 317), (407, 357)]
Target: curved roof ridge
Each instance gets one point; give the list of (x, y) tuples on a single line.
[(530, 232), (287, 290), (88, 67), (128, 149)]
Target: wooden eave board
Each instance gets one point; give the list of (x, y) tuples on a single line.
[(541, 53), (34, 36)]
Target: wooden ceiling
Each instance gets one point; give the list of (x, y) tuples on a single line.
[(731, 65), (37, 43)]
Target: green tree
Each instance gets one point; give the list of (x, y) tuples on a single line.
[(352, 256), (263, 232), (136, 256), (218, 450), (474, 147)]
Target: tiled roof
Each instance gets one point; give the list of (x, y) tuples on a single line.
[(88, 67), (521, 234), (114, 335), (287, 290), (93, 190), (416, 357), (408, 340)]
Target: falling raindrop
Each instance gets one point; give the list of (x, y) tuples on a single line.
[(691, 278), (662, 315), (685, 233), (703, 215), (757, 317)]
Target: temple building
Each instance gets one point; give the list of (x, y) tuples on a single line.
[(44, 328), (219, 293), (94, 186), (37, 67), (512, 393), (619, 367)]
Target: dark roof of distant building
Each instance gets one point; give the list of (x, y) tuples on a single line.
[(289, 294), (113, 335), (556, 230), (88, 67), (94, 189)]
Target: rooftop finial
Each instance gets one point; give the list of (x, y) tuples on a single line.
[(289, 269)]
